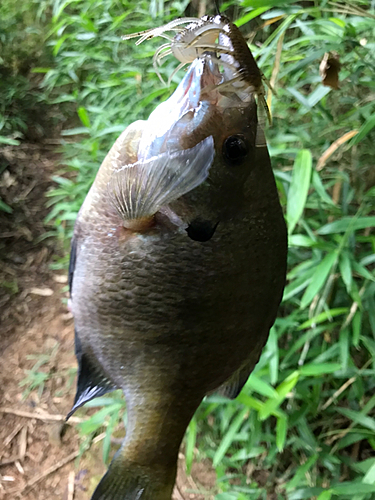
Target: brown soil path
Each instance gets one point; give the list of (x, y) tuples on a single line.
[(38, 451)]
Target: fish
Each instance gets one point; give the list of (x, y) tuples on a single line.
[(177, 269)]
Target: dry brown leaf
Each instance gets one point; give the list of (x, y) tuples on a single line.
[(329, 70), (271, 21), (71, 485), (43, 292), (60, 278), (332, 148)]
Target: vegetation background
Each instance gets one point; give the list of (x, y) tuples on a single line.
[(304, 425)]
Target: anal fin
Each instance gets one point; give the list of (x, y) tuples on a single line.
[(233, 386), (91, 382)]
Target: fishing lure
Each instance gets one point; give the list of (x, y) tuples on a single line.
[(215, 37)]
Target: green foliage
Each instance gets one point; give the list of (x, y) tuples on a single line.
[(22, 27), (304, 424), (106, 419), (36, 378), (22, 113)]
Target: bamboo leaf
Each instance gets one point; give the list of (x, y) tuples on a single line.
[(369, 477), (317, 95), (229, 436), (8, 140), (348, 488), (324, 316), (273, 364), (299, 188), (345, 270), (261, 386), (357, 323), (265, 3), (282, 390), (319, 278), (341, 225), (251, 15), (84, 117), (316, 370), (364, 130), (325, 495), (5, 208), (301, 471), (362, 271), (358, 418), (281, 431), (190, 443), (300, 240)]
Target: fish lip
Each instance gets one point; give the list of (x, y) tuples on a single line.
[(211, 75), (197, 97), (203, 74), (207, 83), (165, 125)]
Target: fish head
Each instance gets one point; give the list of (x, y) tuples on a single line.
[(200, 108), (193, 155)]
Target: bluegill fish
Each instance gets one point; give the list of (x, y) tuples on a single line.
[(177, 269)]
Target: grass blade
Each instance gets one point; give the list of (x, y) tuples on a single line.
[(319, 278), (229, 436), (299, 188)]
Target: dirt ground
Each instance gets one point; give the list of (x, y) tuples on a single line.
[(38, 450)]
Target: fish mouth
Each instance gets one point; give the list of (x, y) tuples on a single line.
[(205, 82), (201, 80), (194, 101)]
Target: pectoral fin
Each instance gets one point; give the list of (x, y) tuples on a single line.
[(139, 190), (92, 382)]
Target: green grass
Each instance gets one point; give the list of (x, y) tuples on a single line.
[(35, 378), (305, 422)]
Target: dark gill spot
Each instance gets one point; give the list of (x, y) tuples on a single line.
[(201, 230)]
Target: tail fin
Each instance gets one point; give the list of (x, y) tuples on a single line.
[(130, 481)]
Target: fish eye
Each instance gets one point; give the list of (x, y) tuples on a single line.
[(235, 149)]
